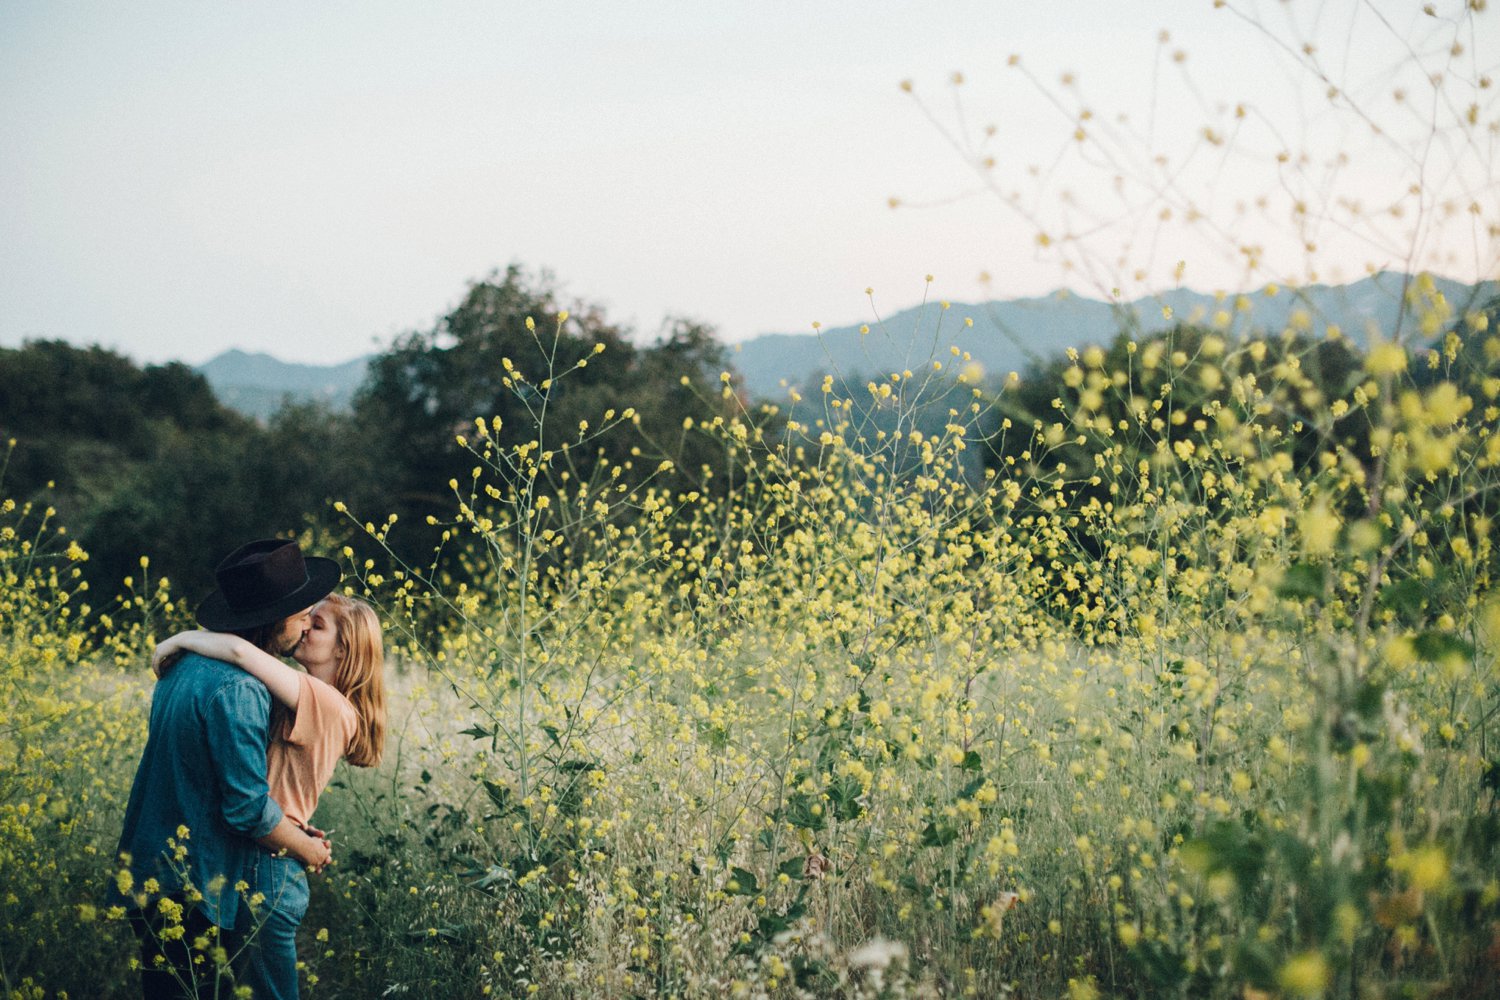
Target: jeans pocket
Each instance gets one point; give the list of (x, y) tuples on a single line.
[(283, 884), (295, 892)]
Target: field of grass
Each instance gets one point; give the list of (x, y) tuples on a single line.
[(1194, 695)]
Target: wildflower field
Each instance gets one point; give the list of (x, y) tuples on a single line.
[(1168, 669), (1193, 693)]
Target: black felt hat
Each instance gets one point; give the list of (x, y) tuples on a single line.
[(263, 582)]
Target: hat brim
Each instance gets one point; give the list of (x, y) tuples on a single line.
[(216, 615)]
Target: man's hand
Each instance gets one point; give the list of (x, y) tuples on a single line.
[(315, 853), (288, 838), (321, 836)]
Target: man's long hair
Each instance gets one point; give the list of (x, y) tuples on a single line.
[(262, 637)]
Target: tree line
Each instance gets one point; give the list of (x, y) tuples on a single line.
[(145, 460)]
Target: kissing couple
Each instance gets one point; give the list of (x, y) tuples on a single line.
[(218, 838)]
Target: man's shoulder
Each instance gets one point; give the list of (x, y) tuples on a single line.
[(202, 688), (211, 674)]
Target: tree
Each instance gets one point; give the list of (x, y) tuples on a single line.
[(499, 356), (147, 462)]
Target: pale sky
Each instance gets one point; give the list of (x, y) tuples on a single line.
[(311, 179)]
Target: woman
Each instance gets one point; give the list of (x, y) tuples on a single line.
[(336, 709)]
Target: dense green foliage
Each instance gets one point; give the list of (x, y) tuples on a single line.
[(144, 460)]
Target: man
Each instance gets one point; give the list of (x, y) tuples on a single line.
[(200, 818)]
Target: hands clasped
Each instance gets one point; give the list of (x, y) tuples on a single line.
[(315, 852)]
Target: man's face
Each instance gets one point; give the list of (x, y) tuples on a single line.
[(292, 630)]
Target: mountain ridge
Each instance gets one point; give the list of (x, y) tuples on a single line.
[(1011, 335), (1005, 335), (258, 384)]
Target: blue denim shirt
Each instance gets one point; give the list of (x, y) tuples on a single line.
[(204, 767)]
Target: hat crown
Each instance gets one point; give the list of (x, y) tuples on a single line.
[(260, 573), (263, 582)]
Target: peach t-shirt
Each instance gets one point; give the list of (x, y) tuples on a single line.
[(300, 762)]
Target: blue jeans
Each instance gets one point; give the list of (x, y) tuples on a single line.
[(270, 967)]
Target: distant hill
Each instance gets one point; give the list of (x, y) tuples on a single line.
[(1007, 336), (258, 384)]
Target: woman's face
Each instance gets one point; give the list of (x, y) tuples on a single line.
[(318, 651)]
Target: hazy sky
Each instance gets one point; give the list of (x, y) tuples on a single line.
[(310, 179)]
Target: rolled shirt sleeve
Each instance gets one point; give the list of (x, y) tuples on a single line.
[(238, 718)]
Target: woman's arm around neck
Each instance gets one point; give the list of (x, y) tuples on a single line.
[(284, 682)]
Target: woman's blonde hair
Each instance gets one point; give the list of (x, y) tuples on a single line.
[(360, 675)]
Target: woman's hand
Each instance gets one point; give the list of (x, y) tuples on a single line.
[(166, 653), (315, 853)]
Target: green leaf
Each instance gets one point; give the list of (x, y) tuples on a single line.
[(1435, 647), (1369, 700), (844, 795), (714, 734), (493, 876), (939, 835), (813, 972), (477, 731), (1227, 847), (1301, 581), (1256, 961), (799, 812), (500, 795), (745, 882), (972, 788), (1161, 966), (1379, 794), (1404, 598), (972, 761)]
